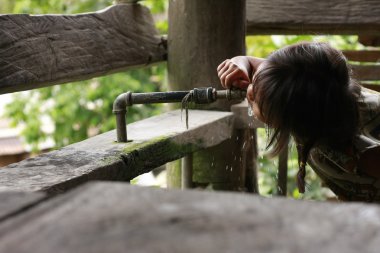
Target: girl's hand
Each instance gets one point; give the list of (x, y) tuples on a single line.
[(234, 73)]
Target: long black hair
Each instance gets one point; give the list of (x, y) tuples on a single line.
[(306, 91)]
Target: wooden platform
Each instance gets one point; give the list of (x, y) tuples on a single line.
[(117, 217)]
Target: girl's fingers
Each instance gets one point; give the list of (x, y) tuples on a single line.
[(222, 65), (223, 70), (232, 76), (224, 76)]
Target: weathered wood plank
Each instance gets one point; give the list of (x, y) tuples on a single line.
[(118, 217), (156, 140), (42, 50), (366, 72), (313, 17), (362, 55), (12, 203), (371, 86)]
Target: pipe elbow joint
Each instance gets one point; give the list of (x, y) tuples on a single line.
[(121, 102)]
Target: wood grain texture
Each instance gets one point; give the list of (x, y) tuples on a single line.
[(12, 203), (366, 72), (37, 51), (313, 17), (371, 86), (199, 39), (156, 140), (362, 55), (116, 217)]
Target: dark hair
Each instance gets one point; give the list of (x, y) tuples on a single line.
[(306, 91)]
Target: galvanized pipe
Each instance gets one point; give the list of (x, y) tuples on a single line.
[(158, 97)]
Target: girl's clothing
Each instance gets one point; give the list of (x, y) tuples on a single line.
[(339, 170)]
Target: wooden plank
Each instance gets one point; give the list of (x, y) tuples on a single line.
[(366, 72), (12, 203), (369, 40), (313, 17), (375, 87), (156, 140), (117, 217), (43, 50), (362, 55)]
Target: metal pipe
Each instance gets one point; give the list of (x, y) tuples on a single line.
[(158, 97), (196, 95), (187, 172)]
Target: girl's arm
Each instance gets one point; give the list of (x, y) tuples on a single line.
[(238, 71)]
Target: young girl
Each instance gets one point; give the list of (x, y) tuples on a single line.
[(306, 91)]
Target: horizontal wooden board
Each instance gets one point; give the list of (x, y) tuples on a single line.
[(362, 55), (156, 140), (371, 86), (366, 72), (313, 17), (116, 217), (42, 50)]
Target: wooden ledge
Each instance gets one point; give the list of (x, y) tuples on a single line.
[(156, 141), (116, 217)]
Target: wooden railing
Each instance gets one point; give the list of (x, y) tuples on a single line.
[(38, 51)]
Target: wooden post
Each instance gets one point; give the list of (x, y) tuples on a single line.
[(201, 35)]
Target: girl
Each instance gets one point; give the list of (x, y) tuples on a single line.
[(306, 91)]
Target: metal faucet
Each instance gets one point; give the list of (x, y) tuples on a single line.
[(197, 95)]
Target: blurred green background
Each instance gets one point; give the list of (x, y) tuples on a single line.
[(91, 113)]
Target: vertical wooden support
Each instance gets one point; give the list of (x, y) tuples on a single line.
[(250, 152), (201, 35), (187, 172), (282, 174)]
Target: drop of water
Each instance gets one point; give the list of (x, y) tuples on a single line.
[(250, 111), (243, 144), (226, 167)]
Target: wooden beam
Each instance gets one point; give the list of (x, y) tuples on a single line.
[(369, 40), (116, 217), (201, 35), (43, 50), (362, 55), (156, 141), (366, 72), (313, 17), (375, 87)]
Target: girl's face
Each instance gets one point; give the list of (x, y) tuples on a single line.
[(253, 98)]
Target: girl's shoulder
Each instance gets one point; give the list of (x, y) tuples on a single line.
[(369, 110)]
